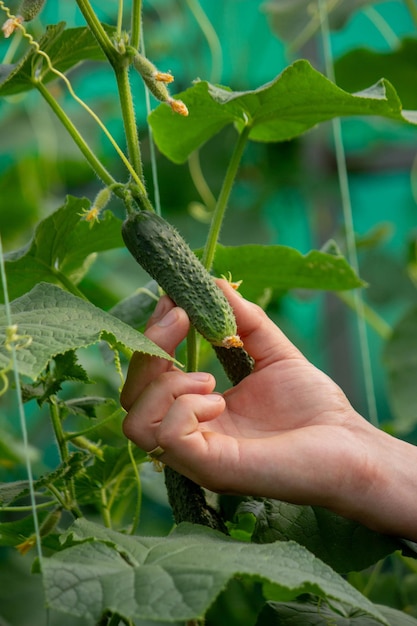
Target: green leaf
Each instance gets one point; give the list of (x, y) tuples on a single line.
[(14, 533), (320, 614), (61, 249), (59, 477), (279, 268), (52, 321), (294, 102), (11, 491), (178, 577), (400, 359), (113, 471), (397, 66), (343, 544), (136, 309), (65, 48)]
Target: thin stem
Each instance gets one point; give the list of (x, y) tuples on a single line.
[(138, 507), (136, 20), (192, 350), (311, 28), (223, 199), (55, 492), (90, 429), (348, 219), (382, 25), (19, 509), (64, 454), (93, 161), (371, 317), (199, 181), (152, 150), (98, 31), (105, 513), (129, 119), (21, 410), (119, 19), (412, 9), (211, 38), (58, 430)]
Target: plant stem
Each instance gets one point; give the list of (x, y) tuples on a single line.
[(223, 199), (93, 161), (136, 23), (98, 31), (211, 37), (129, 120), (105, 508), (119, 19), (138, 507), (372, 318), (29, 507), (58, 430), (192, 350), (70, 503)]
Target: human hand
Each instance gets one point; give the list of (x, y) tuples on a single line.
[(286, 431)]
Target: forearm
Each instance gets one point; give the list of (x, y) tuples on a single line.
[(388, 502)]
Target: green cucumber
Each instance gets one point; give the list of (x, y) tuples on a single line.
[(236, 362), (162, 252), (29, 9)]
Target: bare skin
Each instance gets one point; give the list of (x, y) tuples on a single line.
[(287, 431)]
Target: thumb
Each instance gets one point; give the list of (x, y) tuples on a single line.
[(262, 339)]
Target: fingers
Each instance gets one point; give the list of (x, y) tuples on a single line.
[(167, 327), (167, 409), (262, 339)]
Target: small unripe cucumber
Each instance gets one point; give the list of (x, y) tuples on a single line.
[(29, 9), (162, 252)]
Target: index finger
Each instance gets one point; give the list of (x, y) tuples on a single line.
[(167, 327)]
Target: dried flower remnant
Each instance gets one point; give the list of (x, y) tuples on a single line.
[(11, 25), (178, 106)]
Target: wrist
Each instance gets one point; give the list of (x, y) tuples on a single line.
[(388, 501)]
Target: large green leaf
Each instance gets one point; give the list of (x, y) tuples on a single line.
[(400, 358), (178, 577), (298, 99), (341, 543), (51, 321), (275, 268), (398, 66), (320, 614), (65, 48), (61, 249)]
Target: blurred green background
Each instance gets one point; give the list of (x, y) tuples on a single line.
[(285, 194)]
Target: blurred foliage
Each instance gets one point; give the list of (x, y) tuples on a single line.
[(286, 193)]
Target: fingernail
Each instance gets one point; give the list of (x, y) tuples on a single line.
[(213, 397), (160, 308), (168, 319), (199, 376)]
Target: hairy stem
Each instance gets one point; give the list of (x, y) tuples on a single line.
[(136, 23), (223, 199), (98, 31), (129, 120)]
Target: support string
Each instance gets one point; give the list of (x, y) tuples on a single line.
[(348, 219)]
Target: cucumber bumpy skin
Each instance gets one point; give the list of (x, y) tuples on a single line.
[(29, 9), (162, 252)]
